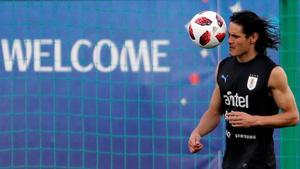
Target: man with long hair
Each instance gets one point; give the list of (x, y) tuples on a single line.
[(249, 92)]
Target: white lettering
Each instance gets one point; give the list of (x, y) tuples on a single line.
[(39, 54), (16, 53), (157, 55), (113, 53), (46, 55), (143, 55), (236, 100), (75, 57), (58, 67), (245, 136)]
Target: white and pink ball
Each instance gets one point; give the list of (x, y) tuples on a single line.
[(207, 29)]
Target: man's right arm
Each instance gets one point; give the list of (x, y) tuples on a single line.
[(207, 123)]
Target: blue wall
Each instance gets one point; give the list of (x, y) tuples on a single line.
[(72, 98)]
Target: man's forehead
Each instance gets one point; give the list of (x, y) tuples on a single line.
[(235, 28)]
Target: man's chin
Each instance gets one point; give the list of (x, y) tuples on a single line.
[(232, 55)]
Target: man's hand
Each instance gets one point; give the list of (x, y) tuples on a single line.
[(194, 142), (241, 119)]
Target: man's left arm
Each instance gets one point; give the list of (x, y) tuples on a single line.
[(284, 99)]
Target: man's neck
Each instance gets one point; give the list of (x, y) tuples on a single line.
[(247, 56)]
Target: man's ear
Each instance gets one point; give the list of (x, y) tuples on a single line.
[(254, 37)]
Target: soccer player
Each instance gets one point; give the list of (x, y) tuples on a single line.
[(249, 92)]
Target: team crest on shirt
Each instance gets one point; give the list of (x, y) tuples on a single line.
[(252, 81)]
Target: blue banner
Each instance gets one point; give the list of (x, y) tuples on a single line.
[(108, 84)]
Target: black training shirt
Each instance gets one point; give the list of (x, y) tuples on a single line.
[(244, 87)]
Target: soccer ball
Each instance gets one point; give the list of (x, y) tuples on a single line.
[(207, 29)]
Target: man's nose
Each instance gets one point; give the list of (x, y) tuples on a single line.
[(230, 41)]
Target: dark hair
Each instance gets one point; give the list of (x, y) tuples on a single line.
[(250, 22)]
